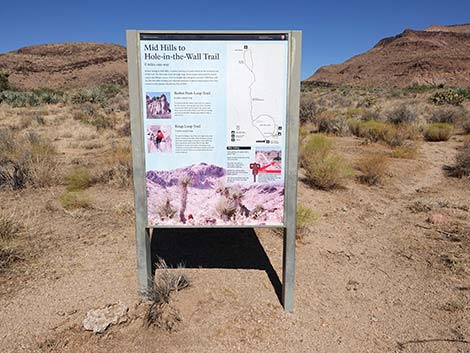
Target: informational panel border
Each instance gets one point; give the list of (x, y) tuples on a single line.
[(136, 94)]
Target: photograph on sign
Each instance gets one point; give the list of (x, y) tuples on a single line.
[(216, 157)]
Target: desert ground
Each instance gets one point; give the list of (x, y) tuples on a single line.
[(382, 264)]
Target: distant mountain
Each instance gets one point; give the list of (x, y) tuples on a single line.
[(203, 176), (66, 65), (436, 55)]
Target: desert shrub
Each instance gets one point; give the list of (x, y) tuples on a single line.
[(78, 179), (308, 108), (367, 102), (417, 88), (160, 312), (71, 200), (99, 95), (4, 85), (402, 115), (323, 168), (448, 96), (462, 167), (118, 167), (305, 218), (376, 131), (449, 115), (466, 125), (408, 150), (332, 123), (373, 168), (91, 114), (438, 132), (464, 92), (26, 159)]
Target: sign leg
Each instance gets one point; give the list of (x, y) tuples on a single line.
[(144, 261), (288, 269)]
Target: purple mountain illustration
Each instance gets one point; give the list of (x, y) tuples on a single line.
[(208, 200)]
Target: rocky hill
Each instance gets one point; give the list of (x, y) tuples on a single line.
[(66, 65), (436, 55)]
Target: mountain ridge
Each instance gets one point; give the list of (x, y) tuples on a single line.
[(437, 55)]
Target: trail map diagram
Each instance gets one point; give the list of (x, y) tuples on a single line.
[(256, 91)]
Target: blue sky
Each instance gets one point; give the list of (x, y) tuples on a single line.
[(332, 30)]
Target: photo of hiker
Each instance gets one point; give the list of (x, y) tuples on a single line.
[(158, 105), (159, 138)]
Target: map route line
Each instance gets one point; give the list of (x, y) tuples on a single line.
[(253, 119)]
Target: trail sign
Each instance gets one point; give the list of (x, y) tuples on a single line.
[(214, 117)]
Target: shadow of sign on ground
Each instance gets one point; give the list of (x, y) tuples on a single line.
[(230, 248)]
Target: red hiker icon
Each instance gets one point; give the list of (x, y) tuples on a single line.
[(254, 170)]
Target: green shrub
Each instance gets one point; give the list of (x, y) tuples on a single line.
[(373, 168), (376, 131), (323, 168), (4, 85), (72, 200), (438, 132), (464, 92), (448, 96), (402, 115), (78, 179)]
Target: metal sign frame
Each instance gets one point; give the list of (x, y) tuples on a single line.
[(143, 233)]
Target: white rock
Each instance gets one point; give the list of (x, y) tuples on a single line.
[(98, 320)]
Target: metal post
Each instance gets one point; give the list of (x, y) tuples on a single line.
[(288, 258), (144, 262)]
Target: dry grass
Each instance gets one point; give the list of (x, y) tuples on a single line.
[(10, 228), (167, 281), (408, 150), (324, 168), (72, 200), (306, 217), (373, 168), (118, 167), (27, 159)]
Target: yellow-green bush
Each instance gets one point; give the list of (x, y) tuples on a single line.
[(377, 131), (71, 200), (305, 218), (438, 132), (323, 167), (78, 179), (406, 151)]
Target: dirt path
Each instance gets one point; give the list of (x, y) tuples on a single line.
[(370, 276)]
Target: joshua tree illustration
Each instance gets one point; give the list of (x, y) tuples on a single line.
[(184, 182), (237, 197)]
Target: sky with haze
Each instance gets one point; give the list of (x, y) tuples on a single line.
[(333, 31)]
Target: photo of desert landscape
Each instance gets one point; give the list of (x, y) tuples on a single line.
[(382, 258)]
